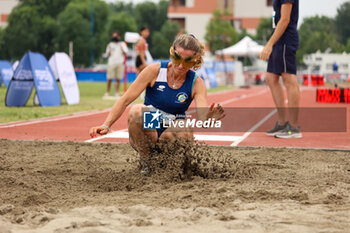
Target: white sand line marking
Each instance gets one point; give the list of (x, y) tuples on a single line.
[(217, 138), (257, 125), (123, 133), (201, 137), (95, 139)]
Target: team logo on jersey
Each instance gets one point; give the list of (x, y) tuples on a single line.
[(161, 88), (181, 97)]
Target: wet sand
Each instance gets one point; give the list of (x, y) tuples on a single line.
[(81, 187)]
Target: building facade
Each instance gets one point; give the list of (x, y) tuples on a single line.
[(247, 14), (194, 15), (6, 7), (322, 63)]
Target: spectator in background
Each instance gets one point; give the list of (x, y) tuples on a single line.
[(280, 51), (116, 51), (335, 67), (142, 50)]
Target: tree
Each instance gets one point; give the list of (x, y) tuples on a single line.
[(342, 20), (164, 39), (264, 30), (317, 33), (3, 51), (27, 30), (153, 16), (32, 26), (347, 46), (121, 22), (74, 25), (46, 7), (122, 7), (220, 33)]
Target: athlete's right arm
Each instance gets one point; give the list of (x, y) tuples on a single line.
[(144, 79)]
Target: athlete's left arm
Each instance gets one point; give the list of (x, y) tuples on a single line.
[(200, 97), (286, 11)]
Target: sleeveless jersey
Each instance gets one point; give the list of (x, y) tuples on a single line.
[(164, 98)]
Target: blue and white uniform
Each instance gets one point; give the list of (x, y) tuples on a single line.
[(171, 101)]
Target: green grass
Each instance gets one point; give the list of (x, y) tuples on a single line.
[(90, 99), (221, 88)]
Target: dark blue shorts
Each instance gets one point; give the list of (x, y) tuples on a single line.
[(283, 59), (160, 131)]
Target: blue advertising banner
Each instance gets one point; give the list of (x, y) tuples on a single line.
[(6, 72), (21, 85), (33, 70)]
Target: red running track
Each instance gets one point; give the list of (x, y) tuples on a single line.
[(75, 127)]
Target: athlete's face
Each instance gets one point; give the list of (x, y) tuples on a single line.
[(183, 59)]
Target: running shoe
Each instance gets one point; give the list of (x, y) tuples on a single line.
[(277, 129), (289, 132)]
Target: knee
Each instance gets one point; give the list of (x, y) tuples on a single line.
[(185, 133), (272, 80), (135, 113), (290, 82), (188, 135)]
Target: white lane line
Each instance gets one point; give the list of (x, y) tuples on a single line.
[(51, 119), (242, 97), (257, 125), (246, 134), (201, 137)]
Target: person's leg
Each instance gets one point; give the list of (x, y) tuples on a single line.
[(109, 82), (293, 94), (110, 77), (120, 75), (277, 95), (141, 139), (117, 85)]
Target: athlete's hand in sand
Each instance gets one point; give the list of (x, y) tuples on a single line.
[(101, 130), (216, 112)]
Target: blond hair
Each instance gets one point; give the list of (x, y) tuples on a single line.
[(189, 42)]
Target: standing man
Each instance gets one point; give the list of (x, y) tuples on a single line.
[(280, 51), (116, 52)]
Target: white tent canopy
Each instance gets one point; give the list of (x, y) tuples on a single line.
[(244, 48), (132, 37)]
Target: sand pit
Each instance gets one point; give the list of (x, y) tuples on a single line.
[(80, 187)]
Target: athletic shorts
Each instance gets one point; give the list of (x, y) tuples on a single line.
[(115, 71), (138, 61), (283, 59)]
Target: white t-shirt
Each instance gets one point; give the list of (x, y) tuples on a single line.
[(115, 49)]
